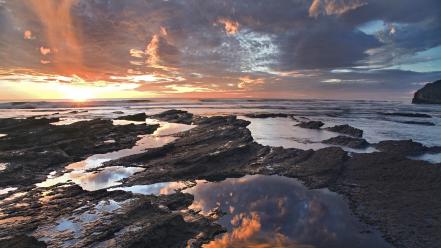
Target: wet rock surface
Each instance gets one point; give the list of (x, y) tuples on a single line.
[(34, 147), (70, 216), (397, 195), (311, 124), (351, 142), (347, 130)]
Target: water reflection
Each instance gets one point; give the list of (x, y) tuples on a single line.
[(110, 176), (101, 179), (3, 135), (284, 132), (274, 211), (165, 188), (3, 166), (68, 121), (67, 232)]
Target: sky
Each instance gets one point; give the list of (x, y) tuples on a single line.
[(334, 49)]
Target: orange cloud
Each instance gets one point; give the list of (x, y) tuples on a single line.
[(60, 33), (247, 81), (231, 27), (152, 51), (333, 7), (27, 35), (45, 51)]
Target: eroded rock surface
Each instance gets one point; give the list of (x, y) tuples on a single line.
[(311, 124), (347, 130), (34, 147), (351, 142), (70, 216), (135, 117), (402, 147), (396, 194)]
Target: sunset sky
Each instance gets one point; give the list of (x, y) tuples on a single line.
[(339, 49)]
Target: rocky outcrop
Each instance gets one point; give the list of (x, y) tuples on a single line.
[(356, 143), (405, 114), (136, 221), (174, 115), (398, 195), (34, 147), (311, 124), (402, 147), (429, 94), (269, 115), (135, 117), (347, 130)]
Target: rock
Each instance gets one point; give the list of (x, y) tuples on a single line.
[(268, 115), (34, 147), (356, 143), (135, 117), (139, 221), (320, 169), (174, 115), (118, 112), (429, 94), (405, 114), (20, 241), (399, 196), (422, 123), (401, 147), (346, 129), (311, 124)]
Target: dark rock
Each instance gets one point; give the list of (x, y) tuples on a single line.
[(135, 117), (118, 112), (268, 115), (21, 241), (356, 143), (401, 147), (429, 94), (311, 124), (140, 221), (422, 123), (346, 129), (77, 111), (176, 116), (403, 114), (397, 195), (34, 147), (320, 169)]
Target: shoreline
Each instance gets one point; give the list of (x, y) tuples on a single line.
[(222, 147)]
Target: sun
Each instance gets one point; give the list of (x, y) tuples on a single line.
[(79, 94)]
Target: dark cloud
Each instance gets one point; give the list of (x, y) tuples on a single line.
[(288, 44)]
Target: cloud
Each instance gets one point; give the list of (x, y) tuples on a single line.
[(60, 33), (27, 35), (45, 51), (231, 27), (234, 46), (333, 7)]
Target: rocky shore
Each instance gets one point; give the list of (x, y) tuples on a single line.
[(397, 195)]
